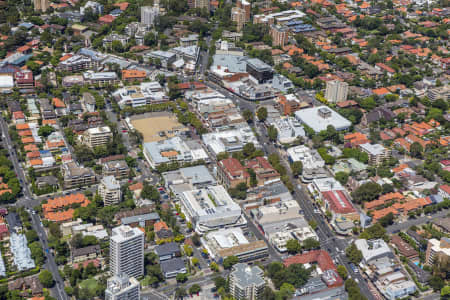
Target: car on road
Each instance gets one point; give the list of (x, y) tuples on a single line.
[(354, 268)]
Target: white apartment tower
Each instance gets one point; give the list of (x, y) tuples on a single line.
[(122, 287), (149, 14), (336, 91), (127, 251), (41, 5), (109, 190), (97, 136)]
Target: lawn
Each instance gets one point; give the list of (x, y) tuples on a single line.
[(90, 284)]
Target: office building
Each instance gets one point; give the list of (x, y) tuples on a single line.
[(336, 91), (377, 153), (165, 57), (41, 5), (172, 267), (211, 208), (149, 14), (98, 136), (122, 287), (100, 78), (238, 16), (127, 251), (279, 35), (247, 282), (259, 70), (109, 190), (437, 249), (320, 117)]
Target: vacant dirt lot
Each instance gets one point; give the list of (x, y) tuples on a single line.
[(157, 127)]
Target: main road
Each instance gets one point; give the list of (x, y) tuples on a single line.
[(335, 246), (58, 289)]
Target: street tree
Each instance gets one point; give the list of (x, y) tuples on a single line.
[(46, 278), (293, 246), (272, 132), (297, 168), (261, 113)]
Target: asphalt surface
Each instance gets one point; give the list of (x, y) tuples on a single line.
[(26, 201), (417, 221)]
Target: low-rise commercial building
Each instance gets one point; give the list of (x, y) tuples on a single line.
[(186, 179), (143, 94), (174, 150), (289, 130), (211, 208), (320, 117), (309, 158), (172, 267), (232, 242), (229, 140), (100, 78)]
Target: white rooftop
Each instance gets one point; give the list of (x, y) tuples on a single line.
[(320, 117)]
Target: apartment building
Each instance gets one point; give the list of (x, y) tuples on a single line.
[(336, 91), (149, 14), (109, 190), (75, 176), (279, 35), (100, 78), (247, 282), (127, 251), (377, 153), (41, 5), (77, 63), (238, 16), (437, 249), (98, 136), (230, 172), (122, 287), (117, 168)]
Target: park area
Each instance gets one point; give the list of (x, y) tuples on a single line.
[(157, 126)]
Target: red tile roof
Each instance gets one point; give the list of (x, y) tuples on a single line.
[(338, 201)]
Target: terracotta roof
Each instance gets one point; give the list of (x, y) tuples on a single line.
[(30, 147), (33, 154), (160, 225), (60, 216), (22, 126), (27, 140), (131, 74), (321, 257), (58, 103), (380, 91), (338, 201), (136, 186), (36, 162), (61, 202), (233, 168)]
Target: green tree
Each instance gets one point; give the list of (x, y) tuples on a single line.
[(180, 293), (342, 271), (375, 231), (437, 283), (297, 168), (313, 224), (248, 149), (261, 113), (342, 177), (248, 115), (387, 220), (293, 246), (416, 150), (214, 267), (230, 261), (182, 277), (46, 278), (272, 132), (366, 192), (310, 243), (194, 289), (45, 130), (353, 254)]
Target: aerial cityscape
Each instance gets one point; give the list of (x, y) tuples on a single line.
[(224, 149)]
